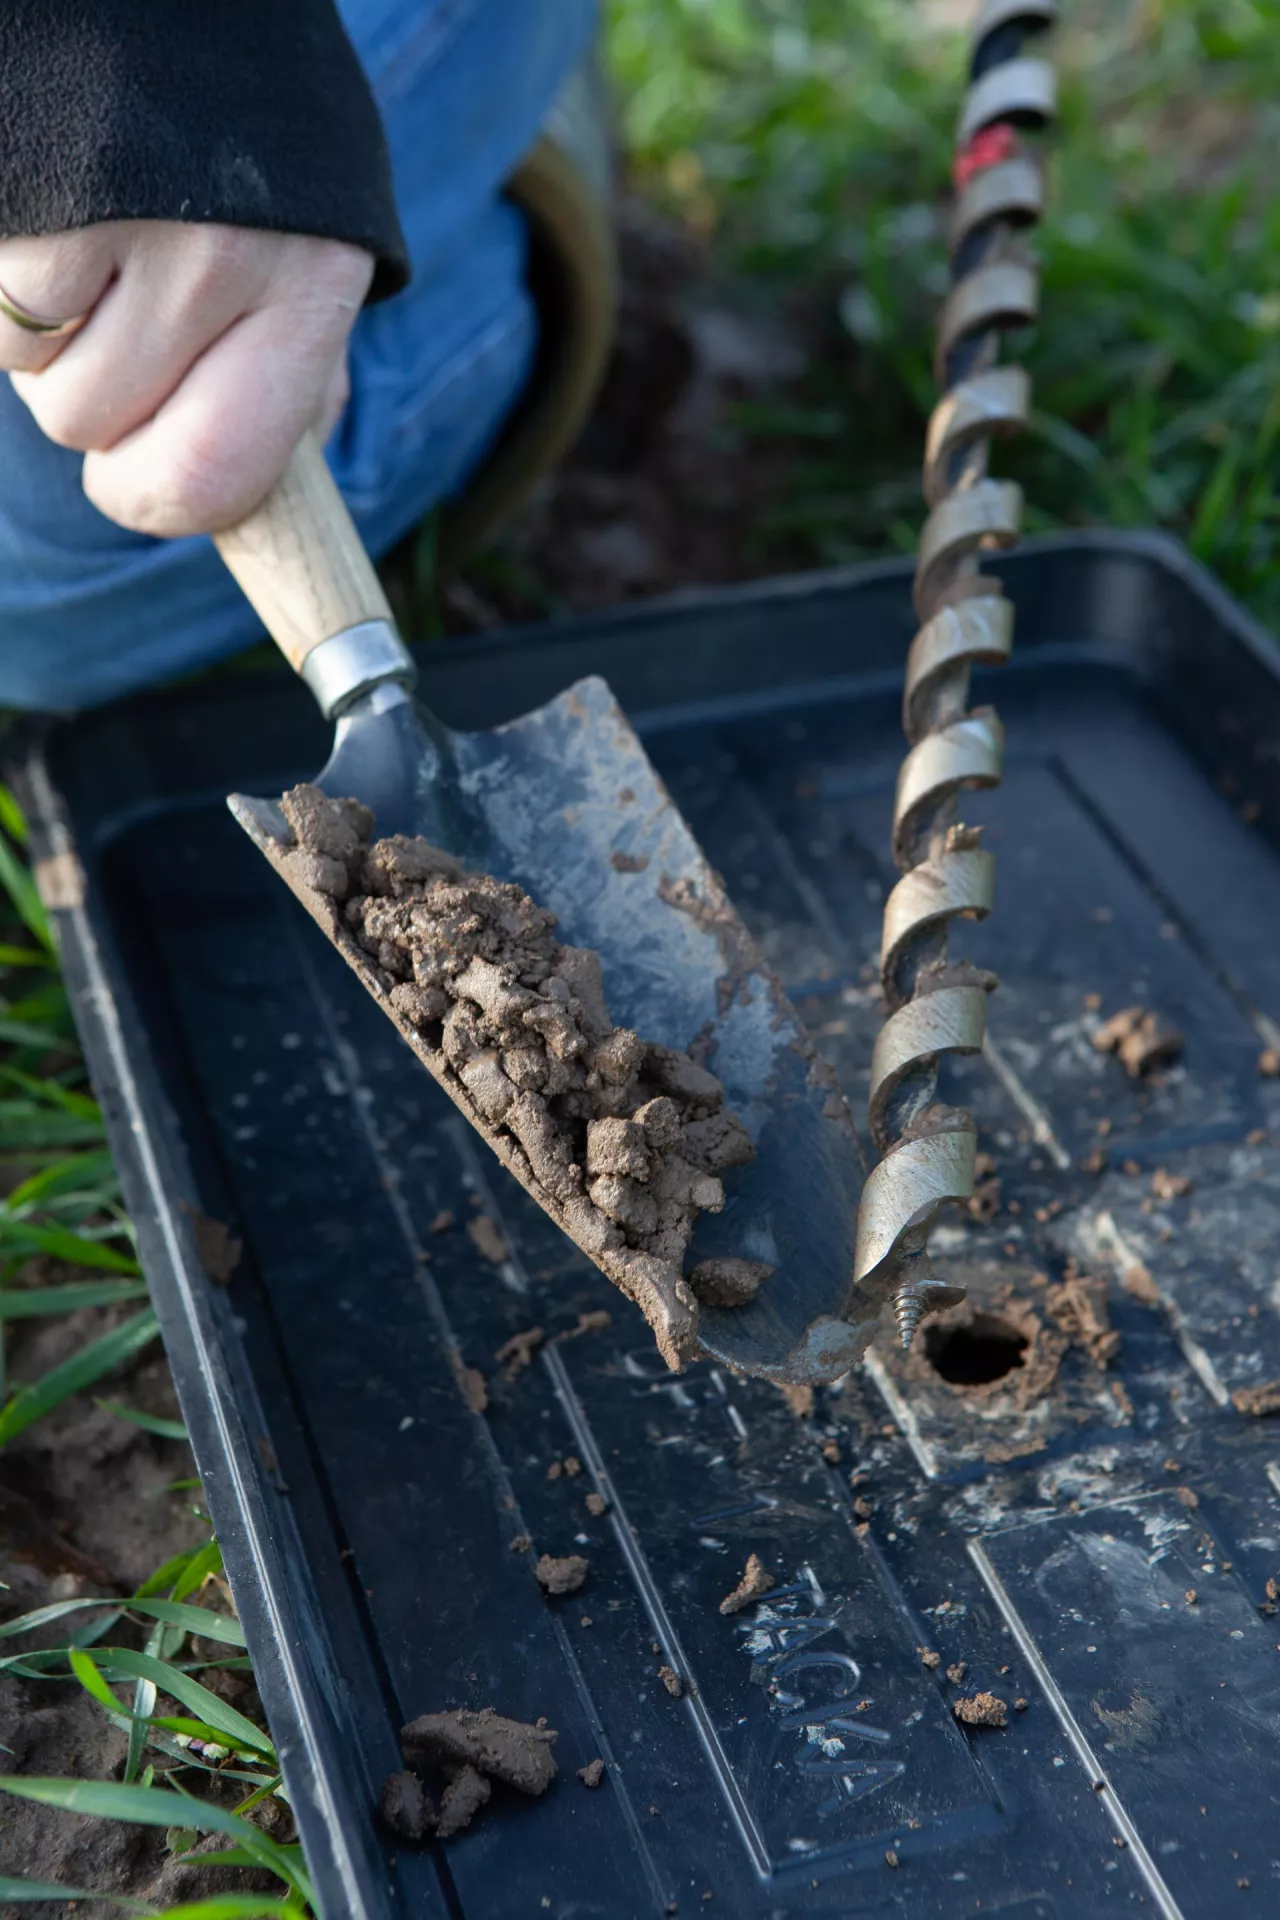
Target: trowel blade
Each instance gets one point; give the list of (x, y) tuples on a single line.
[(565, 802)]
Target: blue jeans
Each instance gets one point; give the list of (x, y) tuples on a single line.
[(88, 611)]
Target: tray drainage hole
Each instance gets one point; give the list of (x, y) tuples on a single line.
[(971, 1356)]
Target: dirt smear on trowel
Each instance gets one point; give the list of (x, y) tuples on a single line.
[(471, 1751), (620, 1139)]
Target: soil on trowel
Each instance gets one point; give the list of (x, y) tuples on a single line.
[(470, 1751), (622, 1140)]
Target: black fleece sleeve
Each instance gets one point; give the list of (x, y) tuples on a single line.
[(253, 113)]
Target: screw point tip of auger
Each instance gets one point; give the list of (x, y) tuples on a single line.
[(908, 1311)]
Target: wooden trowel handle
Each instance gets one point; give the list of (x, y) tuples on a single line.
[(300, 561)]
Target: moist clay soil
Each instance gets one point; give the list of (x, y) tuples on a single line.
[(620, 1139)]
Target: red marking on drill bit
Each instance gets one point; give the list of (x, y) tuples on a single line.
[(986, 149)]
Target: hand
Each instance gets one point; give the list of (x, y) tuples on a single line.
[(207, 353)]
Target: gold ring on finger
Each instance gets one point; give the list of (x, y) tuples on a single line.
[(31, 323)]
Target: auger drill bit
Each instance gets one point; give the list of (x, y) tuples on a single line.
[(936, 1004)]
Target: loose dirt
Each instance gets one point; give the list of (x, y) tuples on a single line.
[(982, 1710), (1259, 1402), (592, 1774), (515, 1354), (622, 1140), (756, 1580), (471, 1750), (1142, 1040), (563, 1575)]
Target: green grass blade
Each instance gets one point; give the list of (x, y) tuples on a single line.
[(149, 1422), (23, 1033), (207, 1705), (172, 1570), (209, 1625), (204, 1561), (91, 1680), (12, 818), (51, 1092), (169, 1611), (198, 1730), (23, 1890), (15, 878), (144, 1706), (62, 1244), (82, 1370), (78, 1172), (233, 1906), (30, 1303), (23, 956)]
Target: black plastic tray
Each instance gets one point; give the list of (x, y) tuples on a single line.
[(367, 1516)]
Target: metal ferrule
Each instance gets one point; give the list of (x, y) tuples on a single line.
[(937, 1007), (351, 663)]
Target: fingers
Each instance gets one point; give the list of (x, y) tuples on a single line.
[(219, 441), (178, 289), (54, 277)]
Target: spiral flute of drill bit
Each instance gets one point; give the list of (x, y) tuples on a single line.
[(937, 1004)]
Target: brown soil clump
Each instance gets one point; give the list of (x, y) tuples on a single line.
[(1259, 1402), (592, 1774), (1269, 1063), (1079, 1308), (594, 1322), (620, 1139), (982, 1710), (596, 1505), (508, 1750), (728, 1282), (517, 1353), (671, 1681), (471, 1750), (471, 1383), (461, 1800), (564, 1575), (488, 1239), (217, 1248), (756, 1580), (1169, 1186), (405, 1806), (1140, 1039)]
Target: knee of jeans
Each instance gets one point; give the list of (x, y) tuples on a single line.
[(76, 637), (424, 412)]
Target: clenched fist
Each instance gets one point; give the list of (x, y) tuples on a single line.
[(205, 355)]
